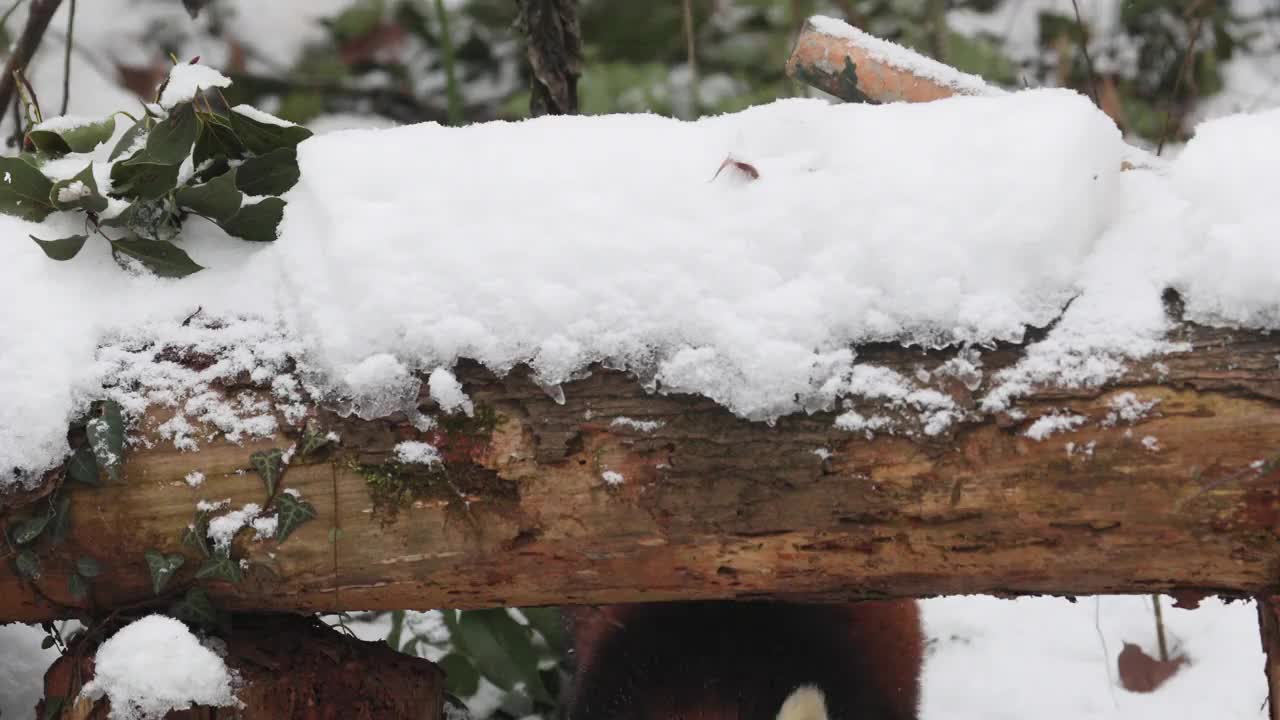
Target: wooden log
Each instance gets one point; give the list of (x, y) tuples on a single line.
[(713, 506), (286, 667), (857, 67)]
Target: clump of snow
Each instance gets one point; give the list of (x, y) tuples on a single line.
[(1053, 423), (822, 453), (155, 665), (264, 528), (267, 118), (1128, 408), (72, 192), (853, 421), (223, 529), (186, 80), (1151, 443), (645, 426), (901, 58), (195, 478), (612, 478), (380, 385), (212, 505), (417, 453), (447, 392)]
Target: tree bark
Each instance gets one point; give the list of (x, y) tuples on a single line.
[(554, 40), (713, 506)]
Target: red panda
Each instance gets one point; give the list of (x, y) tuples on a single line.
[(725, 660)]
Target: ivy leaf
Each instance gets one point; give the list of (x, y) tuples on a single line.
[(196, 535), (263, 137), (291, 512), (313, 440), (29, 529), (171, 140), (195, 609), (502, 650), (257, 222), (62, 248), (460, 676), (550, 625), (129, 139), (142, 177), (106, 439), (270, 174), (82, 467), (78, 193), (78, 585), (27, 563), (221, 566), (88, 567), (79, 139), (24, 190), (160, 257), (60, 524), (270, 465), (163, 568), (217, 199)]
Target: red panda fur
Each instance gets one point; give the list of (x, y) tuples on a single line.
[(728, 660)]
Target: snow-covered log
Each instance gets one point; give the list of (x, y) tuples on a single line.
[(800, 351), (1163, 480)]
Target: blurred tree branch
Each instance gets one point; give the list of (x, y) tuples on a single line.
[(555, 54), (38, 18)]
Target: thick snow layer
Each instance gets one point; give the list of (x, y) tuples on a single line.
[(155, 665), (581, 239), (565, 241)]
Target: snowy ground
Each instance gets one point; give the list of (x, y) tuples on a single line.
[(990, 659)]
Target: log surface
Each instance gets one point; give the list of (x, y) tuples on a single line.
[(713, 506)]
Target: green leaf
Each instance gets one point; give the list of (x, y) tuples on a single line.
[(291, 512), (88, 567), (270, 174), (160, 257), (171, 140), (270, 466), (196, 535), (78, 585), (142, 177), (80, 139), (129, 139), (27, 563), (82, 467), (461, 677), (163, 568), (217, 141), (550, 625), (221, 566), (263, 137), (29, 529), (313, 440), (53, 707), (195, 609), (83, 197), (62, 248), (60, 524), (217, 199), (502, 650), (24, 190), (257, 222), (47, 642), (106, 439)]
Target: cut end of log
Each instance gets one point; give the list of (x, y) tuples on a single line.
[(852, 65)]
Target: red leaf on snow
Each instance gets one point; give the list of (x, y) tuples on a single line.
[(1139, 672)]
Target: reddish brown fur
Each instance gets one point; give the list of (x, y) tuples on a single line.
[(738, 661)]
